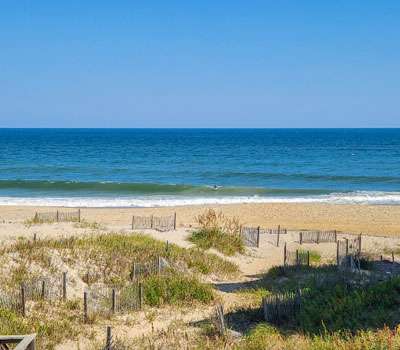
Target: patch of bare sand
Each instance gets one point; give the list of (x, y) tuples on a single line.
[(379, 219)]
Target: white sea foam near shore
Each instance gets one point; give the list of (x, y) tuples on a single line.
[(360, 197)]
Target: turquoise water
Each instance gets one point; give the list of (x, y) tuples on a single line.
[(146, 167)]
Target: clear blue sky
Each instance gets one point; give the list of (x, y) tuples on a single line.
[(199, 63)]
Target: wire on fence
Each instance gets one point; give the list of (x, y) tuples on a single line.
[(104, 301), (159, 223), (317, 236), (296, 258), (142, 270), (250, 236), (279, 308), (58, 216)]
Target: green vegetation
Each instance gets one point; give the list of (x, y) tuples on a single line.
[(175, 289), (87, 224), (221, 241), (350, 310), (51, 323), (219, 232), (315, 257), (110, 256), (264, 336)]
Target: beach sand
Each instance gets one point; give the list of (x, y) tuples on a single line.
[(375, 220)]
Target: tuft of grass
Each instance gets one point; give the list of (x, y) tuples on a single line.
[(264, 336), (219, 232), (343, 310), (315, 257), (175, 289), (225, 243), (89, 225)]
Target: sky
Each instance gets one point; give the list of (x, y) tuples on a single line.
[(261, 64)]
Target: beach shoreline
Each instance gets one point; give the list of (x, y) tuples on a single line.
[(383, 220)]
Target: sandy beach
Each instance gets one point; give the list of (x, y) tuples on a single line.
[(379, 220)]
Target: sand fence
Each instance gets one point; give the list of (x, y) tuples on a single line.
[(251, 235), (317, 236), (58, 216), (159, 223)]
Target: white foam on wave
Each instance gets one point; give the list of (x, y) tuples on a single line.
[(360, 197)]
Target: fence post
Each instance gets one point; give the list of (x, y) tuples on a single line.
[(140, 292), (133, 274), (301, 237), (318, 232), (174, 221), (265, 308), (347, 246), (113, 301), (79, 215), (308, 258), (392, 258), (108, 339), (277, 239), (23, 300), (133, 222), (85, 307), (159, 265), (64, 286), (57, 216), (258, 236), (151, 222), (279, 229), (337, 253), (359, 243), (297, 257), (43, 292), (221, 319), (34, 238), (335, 236), (284, 255)]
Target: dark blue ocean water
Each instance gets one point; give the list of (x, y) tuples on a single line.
[(115, 167)]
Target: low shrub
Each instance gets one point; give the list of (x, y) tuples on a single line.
[(175, 289), (336, 308), (215, 238)]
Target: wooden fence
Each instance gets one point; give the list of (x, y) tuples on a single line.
[(295, 258), (281, 307), (103, 301), (97, 299), (347, 251), (250, 236), (159, 223), (275, 231), (142, 270), (317, 236), (34, 289), (58, 216), (19, 342)]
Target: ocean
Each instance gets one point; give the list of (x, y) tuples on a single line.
[(161, 167)]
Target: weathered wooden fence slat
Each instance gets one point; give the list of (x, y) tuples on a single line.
[(159, 223)]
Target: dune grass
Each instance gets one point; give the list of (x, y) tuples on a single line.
[(175, 289), (111, 256), (215, 238), (219, 232)]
